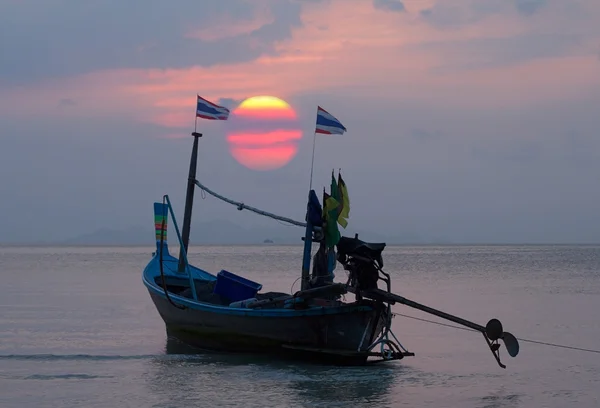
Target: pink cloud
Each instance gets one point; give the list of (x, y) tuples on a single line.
[(363, 51)]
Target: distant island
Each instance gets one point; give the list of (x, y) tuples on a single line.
[(216, 232)]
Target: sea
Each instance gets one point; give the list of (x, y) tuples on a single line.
[(78, 329)]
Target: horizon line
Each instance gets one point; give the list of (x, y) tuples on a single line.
[(275, 244)]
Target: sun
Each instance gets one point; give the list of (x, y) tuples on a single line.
[(264, 133)]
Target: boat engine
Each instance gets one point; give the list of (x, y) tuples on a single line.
[(363, 261)]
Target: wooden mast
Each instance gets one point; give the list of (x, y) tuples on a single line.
[(189, 202)]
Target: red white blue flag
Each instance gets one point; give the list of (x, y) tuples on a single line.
[(208, 110), (328, 124)]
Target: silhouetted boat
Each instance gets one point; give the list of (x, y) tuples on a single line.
[(228, 312)]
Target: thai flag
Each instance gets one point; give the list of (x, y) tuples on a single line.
[(208, 110), (328, 124)]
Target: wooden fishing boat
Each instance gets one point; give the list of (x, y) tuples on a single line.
[(227, 312)]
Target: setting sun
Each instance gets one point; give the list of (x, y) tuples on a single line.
[(265, 133)]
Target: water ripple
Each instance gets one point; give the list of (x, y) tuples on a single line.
[(89, 357), (65, 377)]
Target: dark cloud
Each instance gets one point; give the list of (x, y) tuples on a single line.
[(529, 7), (390, 5), (61, 38), (455, 14), (287, 16), (495, 52), (229, 103), (452, 14)]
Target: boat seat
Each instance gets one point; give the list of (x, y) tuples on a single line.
[(350, 246)]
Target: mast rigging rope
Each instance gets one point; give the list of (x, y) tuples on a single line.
[(241, 206), (519, 338)]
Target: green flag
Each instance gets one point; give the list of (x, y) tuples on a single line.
[(330, 215)]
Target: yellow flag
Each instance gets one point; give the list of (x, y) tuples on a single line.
[(345, 202)]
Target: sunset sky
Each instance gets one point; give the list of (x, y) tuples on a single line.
[(468, 120)]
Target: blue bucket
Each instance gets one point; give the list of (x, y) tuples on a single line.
[(234, 287)]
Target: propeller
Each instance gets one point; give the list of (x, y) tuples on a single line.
[(494, 332)]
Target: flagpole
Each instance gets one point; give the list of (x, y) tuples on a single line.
[(312, 164), (308, 234), (189, 196), (196, 115), (196, 119)]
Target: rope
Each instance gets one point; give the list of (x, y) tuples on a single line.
[(520, 339), (434, 322), (561, 346), (241, 206), (292, 288)]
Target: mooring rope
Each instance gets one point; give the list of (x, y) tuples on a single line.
[(519, 338), (241, 206)]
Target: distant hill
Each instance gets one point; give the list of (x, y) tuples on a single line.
[(221, 232), (205, 233), (106, 236)]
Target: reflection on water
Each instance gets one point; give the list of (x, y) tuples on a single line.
[(357, 386), (500, 399), (229, 377)]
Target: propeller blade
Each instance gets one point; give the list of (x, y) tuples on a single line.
[(511, 343), (493, 329)]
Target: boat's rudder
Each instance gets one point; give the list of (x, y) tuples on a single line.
[(161, 216)]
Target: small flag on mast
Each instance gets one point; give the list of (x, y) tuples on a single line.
[(344, 201), (327, 124), (208, 110)]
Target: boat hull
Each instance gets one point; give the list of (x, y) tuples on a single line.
[(350, 329)]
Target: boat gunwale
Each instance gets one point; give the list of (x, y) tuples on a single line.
[(227, 310)]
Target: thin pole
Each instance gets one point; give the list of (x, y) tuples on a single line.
[(304, 284), (312, 164), (189, 202)]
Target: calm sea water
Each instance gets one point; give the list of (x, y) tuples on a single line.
[(78, 329)]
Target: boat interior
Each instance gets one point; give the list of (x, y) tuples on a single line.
[(205, 290)]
